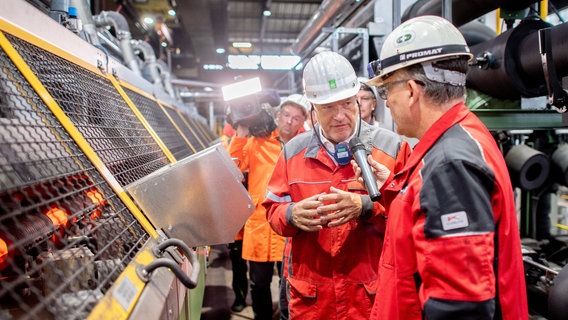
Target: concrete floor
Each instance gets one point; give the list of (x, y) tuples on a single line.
[(219, 295)]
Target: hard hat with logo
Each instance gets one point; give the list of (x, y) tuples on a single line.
[(329, 77), (418, 40), (300, 100)]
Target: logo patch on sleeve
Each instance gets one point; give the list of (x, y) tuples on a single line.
[(454, 220)]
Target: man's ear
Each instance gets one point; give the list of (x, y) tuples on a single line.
[(415, 90)]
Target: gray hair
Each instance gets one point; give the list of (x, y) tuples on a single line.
[(439, 92)]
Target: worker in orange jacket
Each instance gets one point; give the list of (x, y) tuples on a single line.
[(257, 148)]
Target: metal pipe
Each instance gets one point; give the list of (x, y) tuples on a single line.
[(528, 167), (84, 14), (540, 266), (120, 25), (468, 10), (329, 9), (364, 14), (58, 10), (516, 69), (149, 57), (193, 83), (560, 164), (167, 81)]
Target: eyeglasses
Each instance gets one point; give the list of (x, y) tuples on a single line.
[(286, 116), (383, 91)]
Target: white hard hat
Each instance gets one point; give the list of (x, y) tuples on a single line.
[(329, 77), (364, 86), (298, 99), (417, 40)]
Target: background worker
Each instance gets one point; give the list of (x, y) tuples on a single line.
[(367, 102), (333, 265), (257, 144), (452, 246), (294, 99)]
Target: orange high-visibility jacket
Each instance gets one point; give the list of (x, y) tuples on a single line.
[(258, 156)]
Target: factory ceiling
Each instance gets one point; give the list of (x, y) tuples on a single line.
[(200, 27)]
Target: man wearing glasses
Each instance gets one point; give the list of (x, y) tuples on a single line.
[(313, 198), (452, 245), (368, 103)]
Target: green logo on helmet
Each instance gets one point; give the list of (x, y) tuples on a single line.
[(332, 84), (404, 38)]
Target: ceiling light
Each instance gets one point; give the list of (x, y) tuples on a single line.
[(148, 20), (220, 50), (242, 44), (172, 12), (279, 62), (241, 89), (212, 67), (266, 13), (243, 62)]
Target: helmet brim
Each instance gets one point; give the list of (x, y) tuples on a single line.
[(379, 79), (344, 94)]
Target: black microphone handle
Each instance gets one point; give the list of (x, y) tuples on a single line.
[(360, 155)]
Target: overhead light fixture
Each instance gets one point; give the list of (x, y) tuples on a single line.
[(148, 20), (266, 13), (241, 89), (212, 67), (172, 12), (279, 62), (242, 44), (220, 50), (243, 62), (267, 62)]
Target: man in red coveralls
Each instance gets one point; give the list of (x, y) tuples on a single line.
[(452, 246), (333, 267)]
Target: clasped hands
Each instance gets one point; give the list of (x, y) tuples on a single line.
[(336, 207)]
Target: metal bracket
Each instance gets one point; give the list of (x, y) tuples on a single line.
[(190, 281), (557, 96), (144, 271)]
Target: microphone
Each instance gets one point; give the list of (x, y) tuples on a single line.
[(360, 154)]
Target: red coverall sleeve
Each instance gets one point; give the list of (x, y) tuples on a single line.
[(278, 200), (379, 212)]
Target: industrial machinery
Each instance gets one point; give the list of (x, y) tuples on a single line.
[(109, 184), (109, 190)]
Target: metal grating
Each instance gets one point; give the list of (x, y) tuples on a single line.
[(193, 139), (99, 112), (163, 127), (206, 135), (65, 236)]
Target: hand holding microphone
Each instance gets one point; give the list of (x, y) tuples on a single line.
[(360, 154)]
